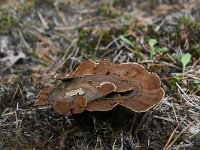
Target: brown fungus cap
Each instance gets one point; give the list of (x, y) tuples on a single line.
[(101, 86)]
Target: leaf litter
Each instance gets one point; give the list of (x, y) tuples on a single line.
[(56, 36)]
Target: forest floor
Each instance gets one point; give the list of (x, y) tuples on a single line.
[(41, 38)]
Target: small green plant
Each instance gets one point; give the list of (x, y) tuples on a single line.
[(189, 22), (178, 78), (185, 59), (26, 5), (126, 41), (154, 49), (7, 21), (197, 81), (197, 139)]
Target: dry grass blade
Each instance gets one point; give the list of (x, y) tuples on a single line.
[(188, 99), (170, 138), (39, 39), (64, 59), (44, 23), (25, 112), (20, 91), (17, 88), (169, 146), (60, 14)]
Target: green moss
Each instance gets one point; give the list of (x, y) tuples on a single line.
[(87, 41), (7, 21), (14, 142), (60, 54), (171, 87), (197, 139), (27, 4), (107, 12), (188, 22), (196, 49)]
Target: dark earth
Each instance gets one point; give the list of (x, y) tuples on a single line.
[(41, 38)]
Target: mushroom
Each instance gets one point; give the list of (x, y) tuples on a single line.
[(102, 86)]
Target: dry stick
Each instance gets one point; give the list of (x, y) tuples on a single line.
[(72, 62), (171, 58), (122, 143), (188, 99), (17, 88), (74, 27), (180, 134), (166, 119), (170, 138), (20, 90), (26, 111), (98, 43), (60, 14), (65, 55), (195, 63), (44, 23), (174, 112), (113, 146)]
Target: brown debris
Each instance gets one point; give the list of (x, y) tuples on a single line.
[(102, 86), (43, 97)]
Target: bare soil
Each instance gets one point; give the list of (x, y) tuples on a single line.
[(41, 38)]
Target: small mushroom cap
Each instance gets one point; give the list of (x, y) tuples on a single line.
[(102, 105), (106, 87), (86, 68), (62, 107), (79, 104), (143, 101), (104, 67), (66, 107)]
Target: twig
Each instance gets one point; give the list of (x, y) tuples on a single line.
[(174, 111), (188, 100), (20, 90), (122, 143), (72, 62), (17, 88), (26, 111), (63, 58), (44, 23), (164, 118), (74, 27), (195, 63), (170, 138), (113, 146), (180, 134), (98, 142), (60, 14)]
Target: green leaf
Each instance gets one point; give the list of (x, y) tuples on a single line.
[(196, 81), (155, 50), (153, 53), (178, 78), (152, 42), (162, 49), (185, 59), (126, 41)]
